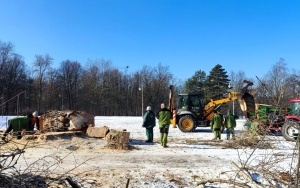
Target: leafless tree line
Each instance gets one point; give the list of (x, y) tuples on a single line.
[(102, 89), (97, 87)]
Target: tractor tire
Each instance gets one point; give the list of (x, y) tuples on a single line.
[(187, 124), (288, 129)]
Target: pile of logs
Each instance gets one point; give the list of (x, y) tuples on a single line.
[(61, 121)]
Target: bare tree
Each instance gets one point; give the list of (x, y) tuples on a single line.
[(292, 86), (70, 72), (51, 91), (12, 79), (156, 83), (41, 66), (271, 89), (95, 88)]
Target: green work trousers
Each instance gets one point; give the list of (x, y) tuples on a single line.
[(230, 131), (164, 135), (217, 133), (149, 134)]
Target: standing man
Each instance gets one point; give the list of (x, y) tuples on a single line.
[(164, 116), (149, 123), (216, 125), (230, 124), (34, 121)]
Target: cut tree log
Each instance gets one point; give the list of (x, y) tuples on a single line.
[(97, 132), (55, 121), (118, 139), (118, 136)]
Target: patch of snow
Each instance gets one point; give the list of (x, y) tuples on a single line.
[(189, 157)]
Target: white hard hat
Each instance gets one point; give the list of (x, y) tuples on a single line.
[(35, 114), (148, 108)]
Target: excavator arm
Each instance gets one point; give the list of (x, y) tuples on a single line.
[(214, 104), (245, 99), (230, 97)]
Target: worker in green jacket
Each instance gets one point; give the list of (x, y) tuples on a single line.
[(230, 124), (148, 123), (164, 116), (216, 125)]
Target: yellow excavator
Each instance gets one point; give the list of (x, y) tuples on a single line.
[(190, 113)]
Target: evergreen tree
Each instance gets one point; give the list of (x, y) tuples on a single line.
[(217, 83), (196, 84)]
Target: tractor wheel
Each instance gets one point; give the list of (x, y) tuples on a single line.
[(187, 124), (288, 129)]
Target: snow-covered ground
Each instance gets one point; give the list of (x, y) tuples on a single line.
[(189, 159)]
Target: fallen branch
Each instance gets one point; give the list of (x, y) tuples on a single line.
[(72, 183), (241, 171), (127, 183), (242, 185)]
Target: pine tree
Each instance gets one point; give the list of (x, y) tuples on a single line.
[(217, 83), (196, 84)]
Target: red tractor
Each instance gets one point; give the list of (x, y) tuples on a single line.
[(292, 121)]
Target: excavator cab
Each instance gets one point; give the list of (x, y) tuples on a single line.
[(189, 102), (191, 106)]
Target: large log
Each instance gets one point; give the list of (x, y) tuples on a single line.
[(55, 120), (97, 132), (118, 139), (118, 136)]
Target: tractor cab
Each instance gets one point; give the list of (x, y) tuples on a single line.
[(190, 102), (190, 106), (291, 127), (295, 107)]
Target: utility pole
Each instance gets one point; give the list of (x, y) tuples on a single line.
[(142, 89)]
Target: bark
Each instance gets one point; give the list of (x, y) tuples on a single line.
[(55, 121)]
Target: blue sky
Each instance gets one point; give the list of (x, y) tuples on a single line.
[(186, 35)]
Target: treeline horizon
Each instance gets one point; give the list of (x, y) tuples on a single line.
[(101, 89)]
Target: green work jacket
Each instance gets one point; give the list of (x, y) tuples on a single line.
[(230, 121), (149, 119), (164, 116), (217, 121)]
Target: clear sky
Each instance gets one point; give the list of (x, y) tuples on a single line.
[(186, 35)]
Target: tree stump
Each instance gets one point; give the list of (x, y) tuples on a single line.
[(118, 139)]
